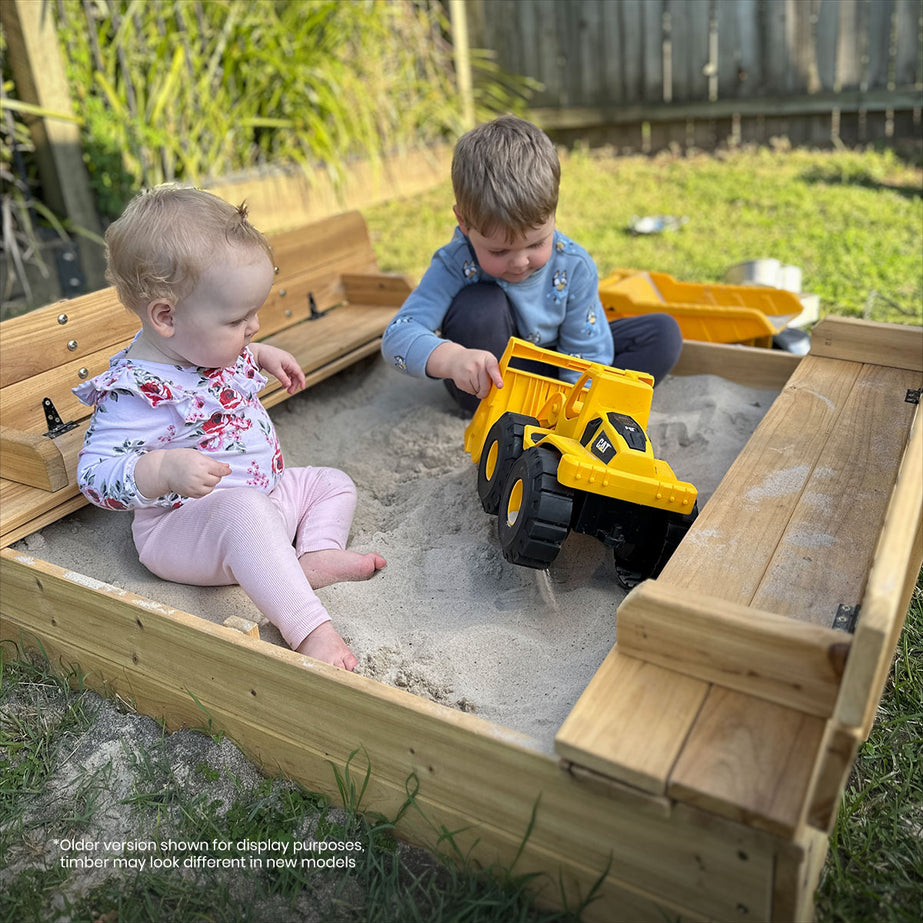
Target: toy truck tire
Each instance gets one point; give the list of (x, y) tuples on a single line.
[(501, 448), (646, 543), (535, 510)]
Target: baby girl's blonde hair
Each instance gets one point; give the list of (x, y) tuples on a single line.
[(166, 238)]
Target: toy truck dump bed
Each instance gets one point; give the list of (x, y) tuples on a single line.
[(555, 456), (749, 314)]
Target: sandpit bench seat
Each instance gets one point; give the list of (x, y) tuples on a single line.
[(328, 306), (745, 676)]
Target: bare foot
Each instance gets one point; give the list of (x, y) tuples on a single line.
[(335, 565), (325, 644)]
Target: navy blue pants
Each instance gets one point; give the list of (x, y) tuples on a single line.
[(481, 317)]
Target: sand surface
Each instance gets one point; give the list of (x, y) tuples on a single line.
[(449, 618)]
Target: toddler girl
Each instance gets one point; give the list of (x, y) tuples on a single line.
[(179, 435)]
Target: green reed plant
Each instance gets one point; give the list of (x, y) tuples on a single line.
[(184, 90)]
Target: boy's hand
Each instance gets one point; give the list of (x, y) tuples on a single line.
[(187, 472), (472, 370), (279, 363)]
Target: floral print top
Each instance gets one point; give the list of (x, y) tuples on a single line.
[(142, 406)]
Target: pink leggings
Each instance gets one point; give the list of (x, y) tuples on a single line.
[(244, 536)]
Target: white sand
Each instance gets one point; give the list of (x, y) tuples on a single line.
[(448, 618)]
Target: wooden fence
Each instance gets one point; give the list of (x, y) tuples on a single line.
[(647, 74)]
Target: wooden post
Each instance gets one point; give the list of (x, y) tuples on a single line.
[(462, 53), (40, 80)]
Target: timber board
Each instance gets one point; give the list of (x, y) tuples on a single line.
[(800, 665)]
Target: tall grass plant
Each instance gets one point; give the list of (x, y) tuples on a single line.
[(186, 90)]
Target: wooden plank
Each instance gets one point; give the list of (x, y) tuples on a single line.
[(838, 753), (38, 518), (897, 560), (631, 721), (36, 342), (908, 62), (471, 776), (849, 54), (746, 365), (757, 108), (21, 401), (775, 57), (35, 58), (728, 548), (376, 288), (826, 39), (738, 48), (623, 26), (609, 789), (31, 459), (798, 868), (21, 505), (878, 43), (825, 549), (652, 89), (895, 345), (749, 760), (799, 666)]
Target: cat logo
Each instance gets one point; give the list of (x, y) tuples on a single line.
[(603, 450)]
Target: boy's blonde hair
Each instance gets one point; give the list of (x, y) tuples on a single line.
[(165, 239), (505, 174)]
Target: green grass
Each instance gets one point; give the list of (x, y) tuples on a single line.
[(852, 221)]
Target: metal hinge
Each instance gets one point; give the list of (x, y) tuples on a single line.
[(846, 617), (56, 426), (312, 304), (913, 395)]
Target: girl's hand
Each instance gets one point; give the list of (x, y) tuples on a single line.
[(187, 472), (472, 370), (279, 363)]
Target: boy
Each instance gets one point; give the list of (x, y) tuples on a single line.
[(508, 272)]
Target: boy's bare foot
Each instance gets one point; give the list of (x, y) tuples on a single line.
[(336, 565), (325, 644)]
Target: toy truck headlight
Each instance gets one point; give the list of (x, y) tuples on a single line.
[(631, 431)]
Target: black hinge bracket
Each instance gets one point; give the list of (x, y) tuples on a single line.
[(56, 426), (312, 304), (913, 395), (846, 618)]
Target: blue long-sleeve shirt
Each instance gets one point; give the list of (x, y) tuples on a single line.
[(557, 307)]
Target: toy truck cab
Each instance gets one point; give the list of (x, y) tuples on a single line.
[(554, 457)]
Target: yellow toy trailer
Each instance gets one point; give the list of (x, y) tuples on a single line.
[(749, 314), (554, 457)]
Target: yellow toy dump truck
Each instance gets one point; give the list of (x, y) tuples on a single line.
[(554, 457), (748, 314)]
